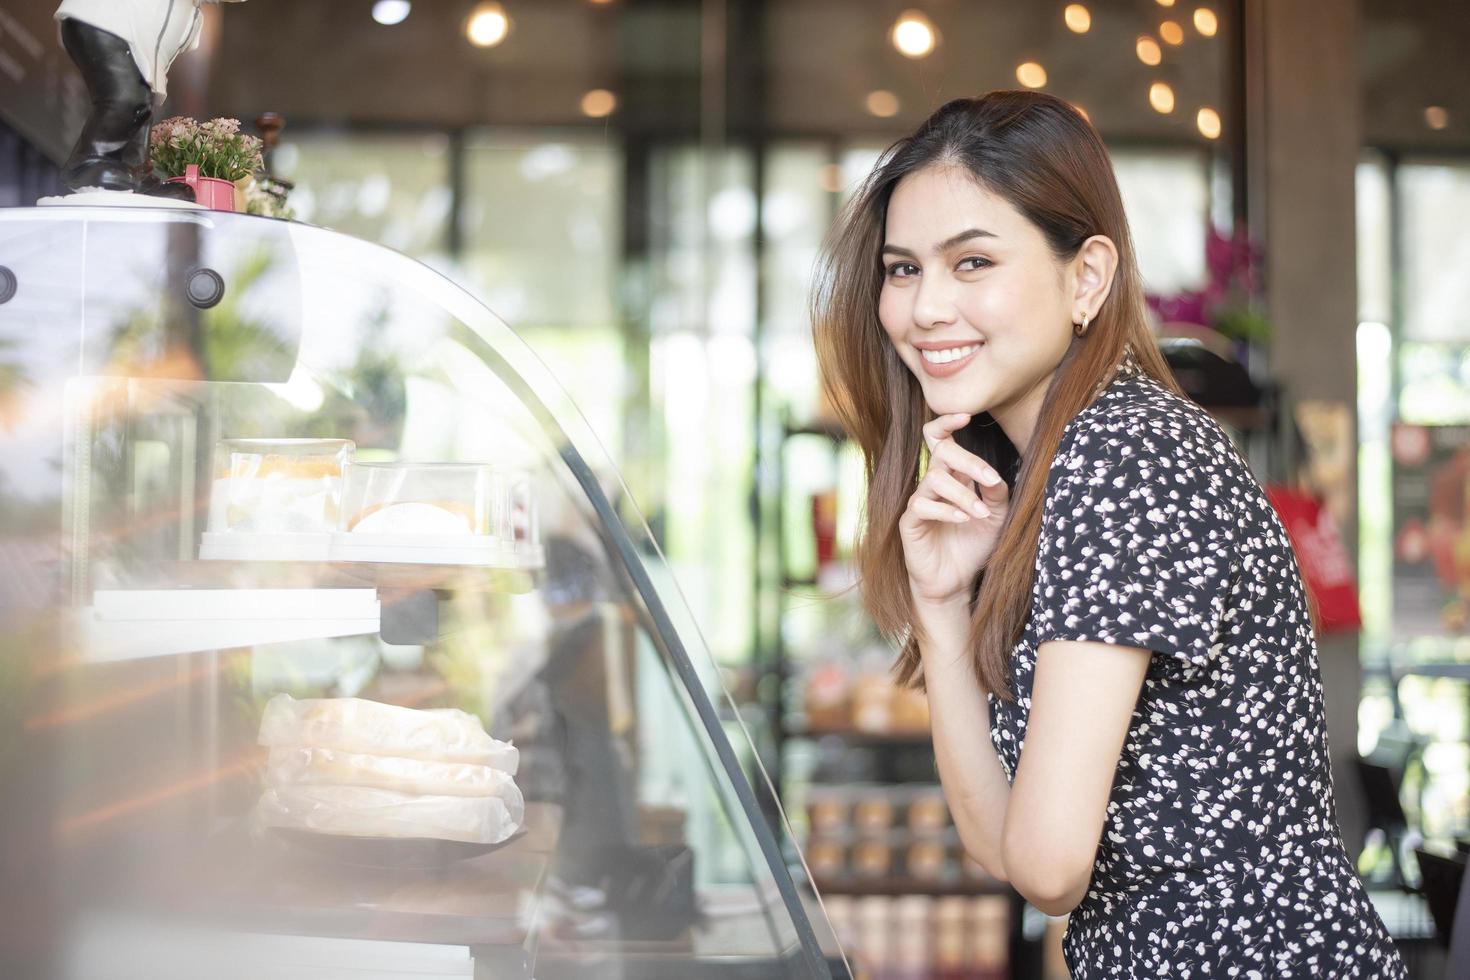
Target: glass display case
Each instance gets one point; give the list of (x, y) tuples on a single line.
[(330, 643)]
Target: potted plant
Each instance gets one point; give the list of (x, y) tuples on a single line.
[(213, 158)]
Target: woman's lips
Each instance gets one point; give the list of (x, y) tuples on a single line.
[(944, 369)]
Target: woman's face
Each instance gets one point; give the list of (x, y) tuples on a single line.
[(973, 299)]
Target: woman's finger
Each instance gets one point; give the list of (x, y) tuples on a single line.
[(943, 485), (940, 429), (960, 460), (930, 509)]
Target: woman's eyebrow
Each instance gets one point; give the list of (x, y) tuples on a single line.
[(943, 246)]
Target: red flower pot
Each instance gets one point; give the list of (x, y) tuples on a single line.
[(210, 192)]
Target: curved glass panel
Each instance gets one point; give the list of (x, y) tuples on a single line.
[(272, 500)]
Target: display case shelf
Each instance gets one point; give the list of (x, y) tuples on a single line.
[(127, 624)]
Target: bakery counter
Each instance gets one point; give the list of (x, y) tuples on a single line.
[(353, 489)]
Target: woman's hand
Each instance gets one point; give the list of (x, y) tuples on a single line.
[(953, 519)]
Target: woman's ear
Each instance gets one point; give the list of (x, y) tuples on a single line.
[(1095, 265)]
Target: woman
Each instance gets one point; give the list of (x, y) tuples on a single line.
[(1086, 556)]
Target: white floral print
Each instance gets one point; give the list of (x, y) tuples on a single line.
[(1221, 854)]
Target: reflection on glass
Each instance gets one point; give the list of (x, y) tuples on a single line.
[(176, 831)]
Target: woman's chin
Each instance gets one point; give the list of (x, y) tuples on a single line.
[(953, 406)]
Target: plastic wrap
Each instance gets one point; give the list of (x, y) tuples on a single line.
[(277, 485), (427, 498), (371, 728), (362, 811), (314, 767)]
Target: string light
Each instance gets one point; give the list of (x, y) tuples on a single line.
[(1436, 117), (599, 103), (1030, 74), (1172, 33), (1078, 19), (1208, 121), (390, 12), (882, 103), (913, 35), (1206, 22), (1148, 51), (1161, 97), (487, 26)]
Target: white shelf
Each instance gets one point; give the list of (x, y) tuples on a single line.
[(129, 624), (470, 550), (435, 549), (128, 947), (243, 546)]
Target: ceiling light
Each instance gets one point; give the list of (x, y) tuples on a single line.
[(882, 103), (1208, 121), (599, 103), (487, 26), (1161, 97), (1030, 74), (913, 35), (390, 12)]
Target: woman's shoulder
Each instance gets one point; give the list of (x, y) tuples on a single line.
[(1136, 418)]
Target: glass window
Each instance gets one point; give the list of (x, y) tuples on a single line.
[(392, 189), (1167, 197), (543, 227), (1435, 198)]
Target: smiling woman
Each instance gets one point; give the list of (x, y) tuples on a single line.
[(1076, 560)]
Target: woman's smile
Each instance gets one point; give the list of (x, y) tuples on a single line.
[(941, 362)]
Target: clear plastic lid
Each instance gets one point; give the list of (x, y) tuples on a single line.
[(277, 486), (438, 500)]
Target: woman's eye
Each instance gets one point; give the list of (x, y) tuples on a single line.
[(978, 263), (901, 270)]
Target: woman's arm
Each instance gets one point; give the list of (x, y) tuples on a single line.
[(975, 786), (1082, 701), (1040, 834)]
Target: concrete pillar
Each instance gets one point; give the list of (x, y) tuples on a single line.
[(1305, 98)]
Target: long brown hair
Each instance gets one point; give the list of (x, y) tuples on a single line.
[(1038, 153)]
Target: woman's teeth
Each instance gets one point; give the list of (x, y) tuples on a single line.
[(948, 354)]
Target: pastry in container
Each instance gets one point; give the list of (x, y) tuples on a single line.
[(275, 499), (438, 513)]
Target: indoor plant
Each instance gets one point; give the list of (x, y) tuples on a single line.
[(211, 157)]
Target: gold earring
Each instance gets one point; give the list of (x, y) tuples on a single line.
[(1080, 328)]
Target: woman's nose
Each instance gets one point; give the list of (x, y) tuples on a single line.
[(934, 304)]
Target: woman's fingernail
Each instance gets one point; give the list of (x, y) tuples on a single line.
[(980, 509), (960, 515)]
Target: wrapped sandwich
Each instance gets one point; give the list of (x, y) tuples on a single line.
[(363, 769)]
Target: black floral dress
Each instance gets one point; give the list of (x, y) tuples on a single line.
[(1221, 854)]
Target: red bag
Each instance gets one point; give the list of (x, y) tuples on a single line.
[(1325, 563)]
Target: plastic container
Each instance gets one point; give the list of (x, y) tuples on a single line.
[(438, 513), (274, 499)]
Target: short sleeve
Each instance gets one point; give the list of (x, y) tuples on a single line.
[(1138, 535)]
